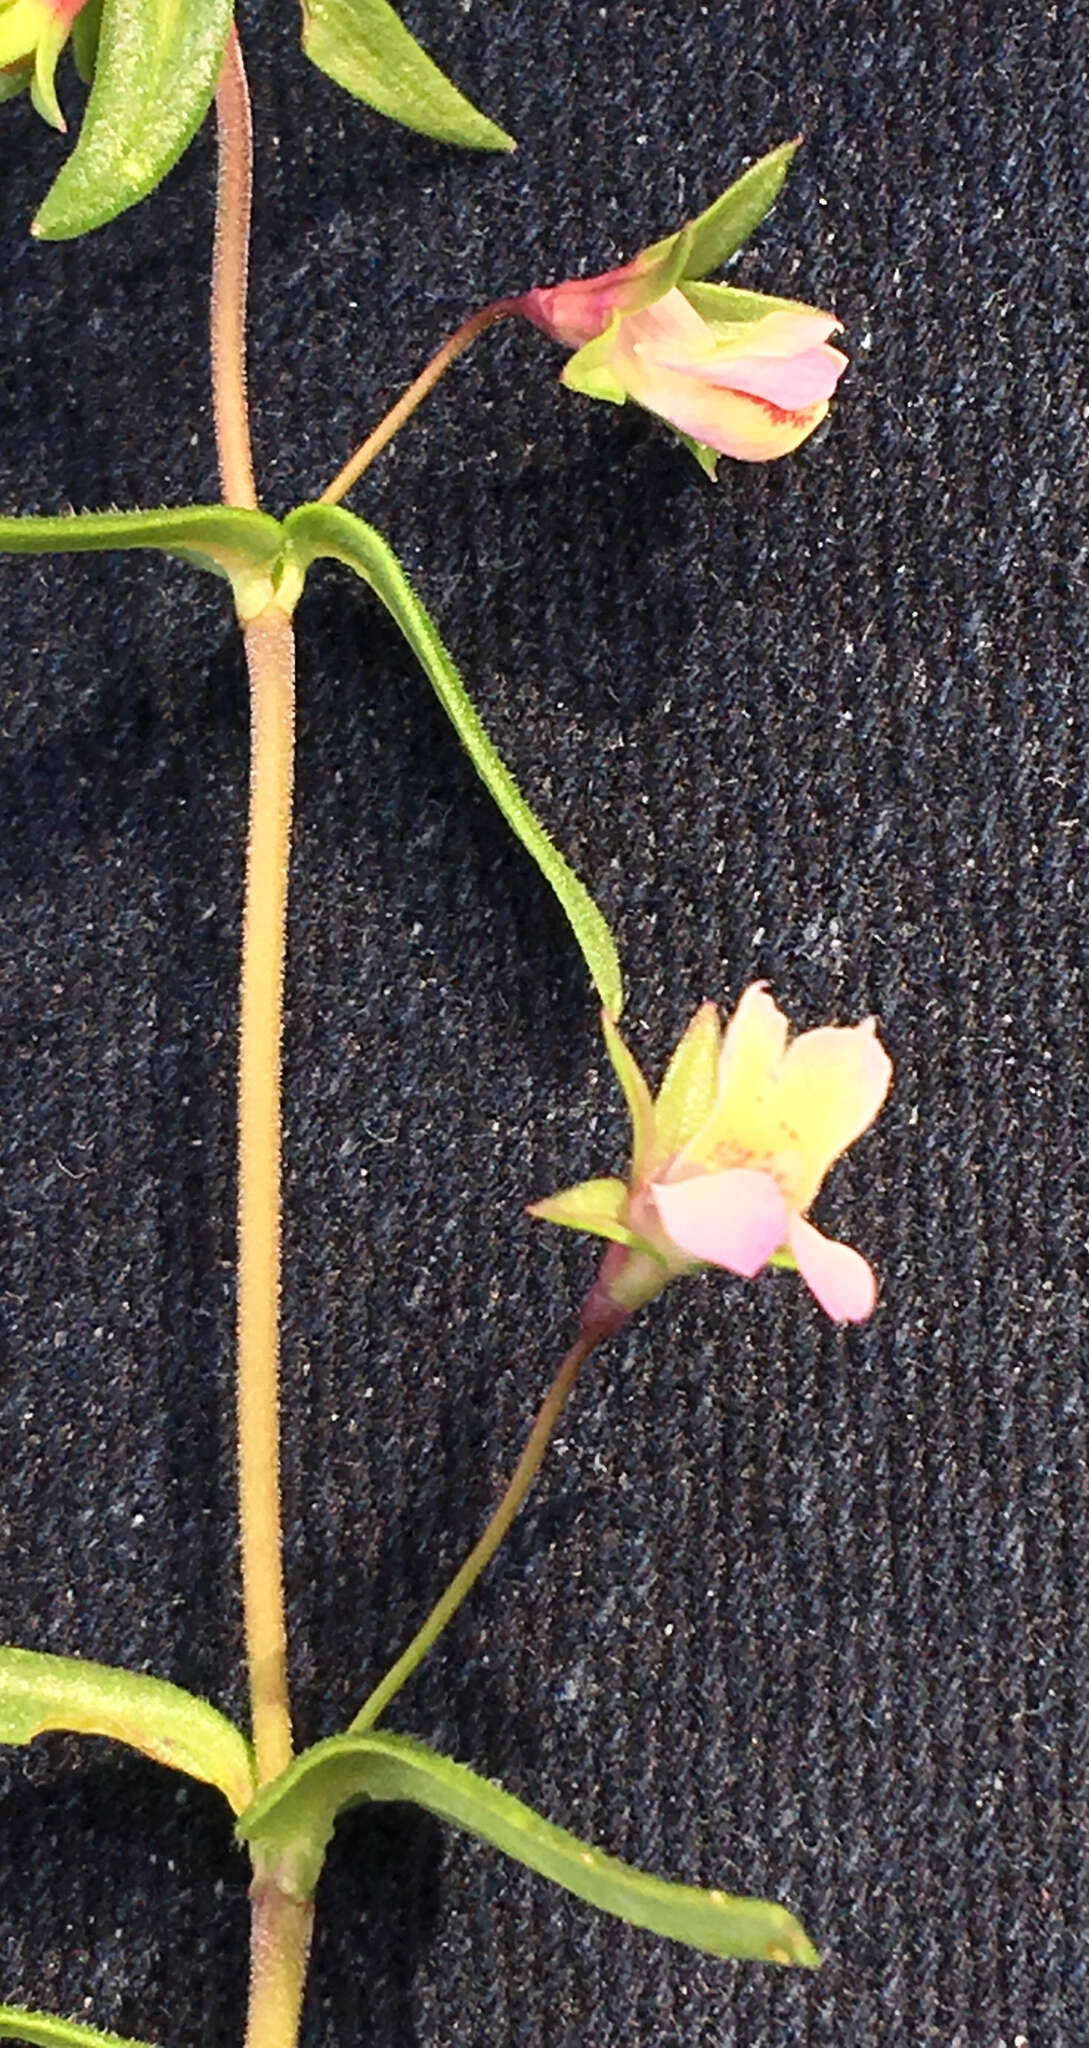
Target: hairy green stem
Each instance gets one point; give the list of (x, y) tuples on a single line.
[(280, 1929), (280, 1924)]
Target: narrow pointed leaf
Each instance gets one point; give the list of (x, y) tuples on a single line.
[(365, 46), (637, 1096), (242, 546), (291, 1821), (44, 2030), (156, 67), (316, 530), (40, 1693), (718, 232)]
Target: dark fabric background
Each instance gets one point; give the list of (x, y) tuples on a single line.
[(794, 1609)]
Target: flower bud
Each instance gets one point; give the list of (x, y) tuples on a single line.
[(735, 372)]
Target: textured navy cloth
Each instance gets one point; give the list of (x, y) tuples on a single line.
[(794, 1609)]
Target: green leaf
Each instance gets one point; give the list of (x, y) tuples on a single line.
[(315, 530), (155, 75), (39, 1693), (687, 1094), (637, 1096), (242, 546), (367, 49), (44, 2030), (290, 1823), (721, 229)]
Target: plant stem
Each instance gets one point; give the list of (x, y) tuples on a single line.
[(230, 271), (270, 654), (279, 1951), (280, 1924), (270, 658), (416, 393), (522, 1479)]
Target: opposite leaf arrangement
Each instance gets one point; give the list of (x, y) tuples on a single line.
[(726, 1159)]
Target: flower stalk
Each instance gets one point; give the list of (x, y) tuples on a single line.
[(459, 341), (525, 1472)]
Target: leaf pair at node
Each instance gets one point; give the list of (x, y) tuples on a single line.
[(287, 1826), (266, 562)]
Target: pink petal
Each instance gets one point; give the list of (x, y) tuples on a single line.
[(785, 332), (838, 1275), (790, 383), (734, 1219), (748, 429)]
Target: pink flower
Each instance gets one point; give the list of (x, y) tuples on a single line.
[(728, 1159), (735, 372)]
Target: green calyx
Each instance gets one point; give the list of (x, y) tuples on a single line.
[(590, 369), (715, 235), (661, 1127), (729, 313)]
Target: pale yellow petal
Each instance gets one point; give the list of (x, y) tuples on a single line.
[(740, 1124), (831, 1085)]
